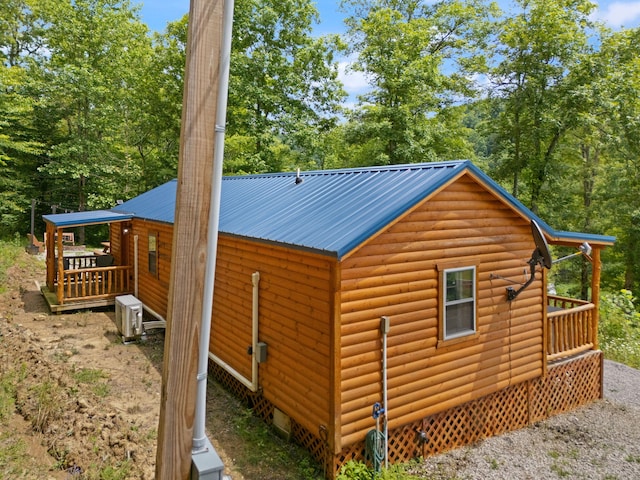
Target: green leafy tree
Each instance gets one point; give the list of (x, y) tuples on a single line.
[(621, 189), (19, 151), (284, 94), (86, 78), (157, 105), (416, 57), (21, 30), (284, 91), (536, 50)]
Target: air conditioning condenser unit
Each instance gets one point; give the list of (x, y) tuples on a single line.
[(129, 316)]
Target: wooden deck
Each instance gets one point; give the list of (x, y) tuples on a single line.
[(86, 284), (82, 304)]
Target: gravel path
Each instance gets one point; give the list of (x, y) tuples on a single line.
[(599, 441)]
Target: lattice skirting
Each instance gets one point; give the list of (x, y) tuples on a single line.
[(567, 385)]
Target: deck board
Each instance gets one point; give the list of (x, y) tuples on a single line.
[(70, 305)]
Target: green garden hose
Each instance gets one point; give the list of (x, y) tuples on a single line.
[(374, 448)]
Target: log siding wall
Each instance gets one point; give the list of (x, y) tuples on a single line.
[(396, 274), (115, 241), (153, 290), (296, 305), (296, 309)]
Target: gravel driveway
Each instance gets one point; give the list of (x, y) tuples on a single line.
[(599, 441)]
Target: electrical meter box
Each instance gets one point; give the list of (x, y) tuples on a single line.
[(129, 316)]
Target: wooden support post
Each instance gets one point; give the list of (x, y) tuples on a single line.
[(60, 248), (189, 249), (50, 252), (595, 294)]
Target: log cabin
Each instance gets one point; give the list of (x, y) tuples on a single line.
[(373, 304)]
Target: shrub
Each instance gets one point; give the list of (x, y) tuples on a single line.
[(353, 470), (619, 328)]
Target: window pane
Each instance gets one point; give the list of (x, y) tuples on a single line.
[(153, 258), (152, 243), (459, 302), (459, 285), (459, 318)]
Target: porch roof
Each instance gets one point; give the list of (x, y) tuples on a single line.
[(77, 219)]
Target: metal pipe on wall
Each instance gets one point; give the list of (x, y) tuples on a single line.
[(255, 282), (384, 328), (135, 265)]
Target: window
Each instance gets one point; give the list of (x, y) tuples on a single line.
[(458, 302), (153, 253)]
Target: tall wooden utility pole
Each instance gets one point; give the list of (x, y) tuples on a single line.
[(189, 250)]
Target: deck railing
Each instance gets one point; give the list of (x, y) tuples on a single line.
[(95, 283), (570, 327), (80, 261)]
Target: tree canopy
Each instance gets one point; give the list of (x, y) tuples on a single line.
[(541, 96)]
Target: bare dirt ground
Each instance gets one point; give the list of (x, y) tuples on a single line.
[(87, 405)]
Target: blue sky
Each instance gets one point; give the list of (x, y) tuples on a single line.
[(156, 13)]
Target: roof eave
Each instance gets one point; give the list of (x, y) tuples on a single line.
[(81, 219), (553, 235)]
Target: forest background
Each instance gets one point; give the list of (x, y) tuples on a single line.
[(540, 96)]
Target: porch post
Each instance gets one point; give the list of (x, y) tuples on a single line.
[(595, 293), (50, 251), (60, 290)]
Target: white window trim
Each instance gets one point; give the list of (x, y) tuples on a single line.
[(472, 300)]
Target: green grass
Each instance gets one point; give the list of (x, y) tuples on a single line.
[(12, 254), (9, 380), (48, 397), (95, 378), (9, 252), (353, 470), (7, 397), (14, 456)]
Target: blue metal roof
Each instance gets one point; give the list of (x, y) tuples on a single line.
[(157, 204), (75, 219), (331, 211)]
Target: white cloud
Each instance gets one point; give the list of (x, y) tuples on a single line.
[(354, 82), (619, 14)]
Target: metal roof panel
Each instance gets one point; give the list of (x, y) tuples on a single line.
[(331, 211), (156, 204), (74, 219)]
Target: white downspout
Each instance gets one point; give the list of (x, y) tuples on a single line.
[(199, 435)]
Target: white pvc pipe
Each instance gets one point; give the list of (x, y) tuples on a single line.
[(255, 281), (135, 265), (161, 323), (385, 329), (233, 372), (199, 435)]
